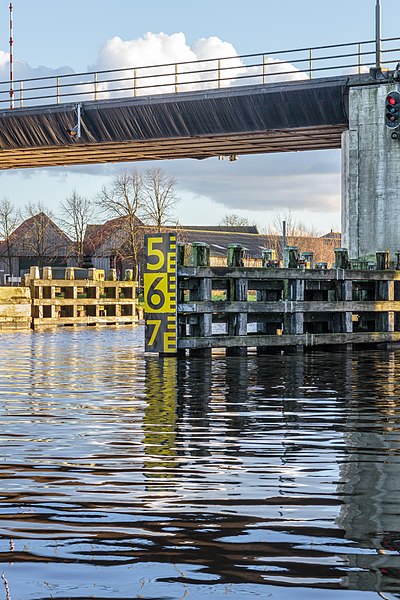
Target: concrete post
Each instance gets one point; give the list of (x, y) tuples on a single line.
[(34, 273), (291, 257), (200, 255), (234, 255), (70, 273), (128, 275), (201, 325), (341, 258), (308, 257), (47, 273)]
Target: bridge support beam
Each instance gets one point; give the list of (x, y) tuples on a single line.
[(370, 176)]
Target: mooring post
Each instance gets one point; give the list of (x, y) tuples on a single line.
[(291, 257), (341, 258), (128, 275), (237, 290), (200, 325), (70, 273), (271, 292), (293, 319), (384, 290), (308, 258), (382, 260), (182, 254)]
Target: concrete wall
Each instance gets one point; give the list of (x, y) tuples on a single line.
[(15, 308), (370, 176)]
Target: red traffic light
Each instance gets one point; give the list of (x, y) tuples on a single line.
[(392, 110)]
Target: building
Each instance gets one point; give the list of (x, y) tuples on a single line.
[(38, 241)]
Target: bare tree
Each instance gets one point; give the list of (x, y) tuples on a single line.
[(42, 238), (123, 199), (159, 199), (235, 220), (306, 238), (77, 212), (294, 228), (10, 218)]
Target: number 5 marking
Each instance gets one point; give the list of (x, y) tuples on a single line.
[(151, 251), (156, 324)]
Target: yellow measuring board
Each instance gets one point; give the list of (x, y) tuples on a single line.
[(160, 293)]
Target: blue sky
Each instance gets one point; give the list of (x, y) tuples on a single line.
[(55, 33)]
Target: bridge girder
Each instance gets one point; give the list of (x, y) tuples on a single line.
[(291, 116)]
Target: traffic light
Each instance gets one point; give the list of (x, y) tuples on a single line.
[(392, 110)]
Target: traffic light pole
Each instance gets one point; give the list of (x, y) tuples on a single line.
[(378, 35)]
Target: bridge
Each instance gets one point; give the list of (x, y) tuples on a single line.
[(291, 100)]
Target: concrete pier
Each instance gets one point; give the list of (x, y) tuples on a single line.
[(370, 175)]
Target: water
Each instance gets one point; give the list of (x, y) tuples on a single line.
[(128, 476)]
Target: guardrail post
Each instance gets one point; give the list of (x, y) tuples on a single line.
[(21, 94), (176, 78), (95, 82), (58, 90), (264, 67), (134, 82)]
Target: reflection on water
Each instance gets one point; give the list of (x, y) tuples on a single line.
[(132, 476)]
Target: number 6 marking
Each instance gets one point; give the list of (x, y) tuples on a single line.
[(155, 292)]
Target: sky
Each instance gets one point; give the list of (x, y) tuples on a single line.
[(52, 36)]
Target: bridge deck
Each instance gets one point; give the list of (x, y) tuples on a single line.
[(293, 116)]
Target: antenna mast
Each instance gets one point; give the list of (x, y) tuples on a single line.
[(11, 58), (378, 34)]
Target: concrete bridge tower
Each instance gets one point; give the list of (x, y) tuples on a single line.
[(370, 173)]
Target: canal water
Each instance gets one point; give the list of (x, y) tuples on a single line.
[(128, 476)]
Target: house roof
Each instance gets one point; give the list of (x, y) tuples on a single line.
[(98, 235), (220, 238), (332, 235), (25, 229), (106, 239), (223, 228)]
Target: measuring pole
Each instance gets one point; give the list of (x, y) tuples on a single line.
[(11, 58), (378, 34)]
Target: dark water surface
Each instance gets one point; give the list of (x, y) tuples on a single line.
[(128, 476)]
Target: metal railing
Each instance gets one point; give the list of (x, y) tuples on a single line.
[(215, 73)]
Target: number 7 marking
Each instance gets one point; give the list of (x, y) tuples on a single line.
[(156, 323)]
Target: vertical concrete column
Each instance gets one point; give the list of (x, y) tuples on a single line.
[(370, 175)]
